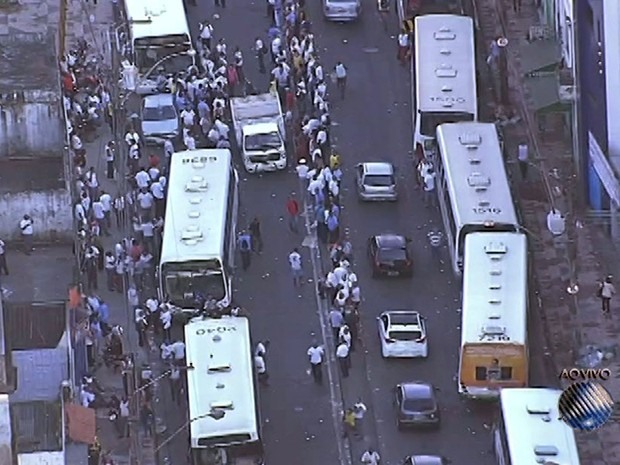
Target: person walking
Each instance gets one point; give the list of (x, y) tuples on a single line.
[(257, 238), (435, 239), (316, 354), (341, 78), (292, 208), (3, 264), (429, 188), (27, 231), (176, 384), (261, 369), (245, 249), (371, 457), (110, 156), (516, 6), (359, 410), (122, 421), (336, 320), (349, 423), (261, 51), (606, 291), (523, 158), (403, 47), (147, 419), (294, 260), (342, 354)]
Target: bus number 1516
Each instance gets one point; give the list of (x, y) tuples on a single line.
[(483, 210)]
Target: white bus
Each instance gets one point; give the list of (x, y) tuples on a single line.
[(494, 350), (159, 37), (199, 238), (222, 391), (529, 429), (444, 74), (472, 185)]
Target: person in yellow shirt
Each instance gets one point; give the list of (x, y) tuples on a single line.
[(350, 423), (334, 160)]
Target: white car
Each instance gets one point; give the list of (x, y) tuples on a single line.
[(376, 181), (160, 120), (402, 334)]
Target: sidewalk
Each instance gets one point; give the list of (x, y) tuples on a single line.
[(93, 23), (571, 322)]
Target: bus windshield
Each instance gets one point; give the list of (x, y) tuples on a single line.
[(223, 455), (430, 120), (185, 285), (149, 54)]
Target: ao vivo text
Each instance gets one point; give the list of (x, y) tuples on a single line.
[(585, 374)]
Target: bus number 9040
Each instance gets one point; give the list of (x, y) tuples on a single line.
[(483, 210)]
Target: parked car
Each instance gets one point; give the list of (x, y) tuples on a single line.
[(402, 334), (376, 181), (342, 10), (425, 460), (390, 256), (417, 404), (160, 120)]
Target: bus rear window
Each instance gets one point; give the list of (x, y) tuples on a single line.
[(430, 121), (493, 374)]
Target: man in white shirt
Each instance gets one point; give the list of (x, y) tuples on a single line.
[(3, 265), (168, 149), (188, 117), (154, 173), (142, 179), (106, 202), (371, 457), (316, 354), (429, 188), (294, 260), (178, 350), (158, 195), (99, 215), (166, 351), (132, 138), (27, 231), (261, 370), (145, 200), (165, 316), (342, 354)]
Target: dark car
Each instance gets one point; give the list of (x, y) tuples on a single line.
[(390, 255), (416, 404), (425, 460)]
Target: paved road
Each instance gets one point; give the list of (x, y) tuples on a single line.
[(372, 124)]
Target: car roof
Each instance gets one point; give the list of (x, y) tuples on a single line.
[(426, 460), (403, 318), (378, 168), (390, 241), (158, 100), (417, 390)]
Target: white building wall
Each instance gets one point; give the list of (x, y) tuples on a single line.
[(565, 30), (50, 210), (6, 453), (42, 458), (611, 30)]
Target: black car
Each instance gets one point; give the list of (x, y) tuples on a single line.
[(390, 256), (425, 460), (416, 404)]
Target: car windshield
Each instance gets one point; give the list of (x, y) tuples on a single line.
[(405, 335), (391, 255), (162, 113), (263, 141), (379, 180), (419, 405)]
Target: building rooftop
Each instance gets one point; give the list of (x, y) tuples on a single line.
[(44, 276), (37, 426), (39, 72), (37, 173)]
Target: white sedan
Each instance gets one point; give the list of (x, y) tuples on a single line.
[(402, 334)]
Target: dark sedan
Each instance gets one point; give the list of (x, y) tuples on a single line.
[(417, 404), (390, 256)]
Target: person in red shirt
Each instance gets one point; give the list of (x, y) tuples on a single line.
[(290, 99), (135, 251), (292, 208), (153, 161)]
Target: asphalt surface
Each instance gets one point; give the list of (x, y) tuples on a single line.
[(373, 123)]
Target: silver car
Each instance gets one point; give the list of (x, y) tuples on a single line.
[(376, 181), (342, 10), (160, 120)]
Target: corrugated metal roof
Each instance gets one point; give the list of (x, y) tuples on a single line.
[(34, 325), (37, 426), (40, 374)]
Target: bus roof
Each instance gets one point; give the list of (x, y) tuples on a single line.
[(532, 422), (156, 18), (445, 63), (476, 178), (222, 377), (197, 200), (495, 288)]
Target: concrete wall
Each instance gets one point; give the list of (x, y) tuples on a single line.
[(6, 452), (41, 458), (51, 211), (31, 124)]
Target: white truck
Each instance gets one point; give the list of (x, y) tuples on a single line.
[(259, 127)]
